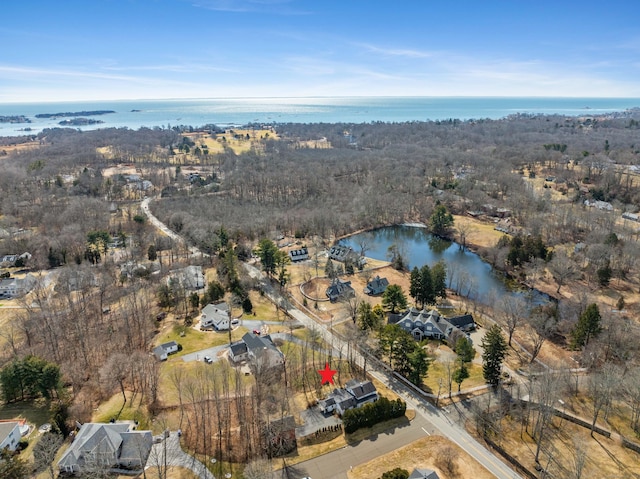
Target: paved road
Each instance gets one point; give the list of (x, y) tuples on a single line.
[(440, 421), (175, 456), (336, 464)]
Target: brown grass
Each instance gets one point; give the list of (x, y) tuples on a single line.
[(423, 453)]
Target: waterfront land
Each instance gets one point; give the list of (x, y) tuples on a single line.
[(549, 201)]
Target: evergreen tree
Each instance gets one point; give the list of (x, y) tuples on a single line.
[(397, 473), (393, 298), (419, 361), (329, 269), (587, 327), (12, 466), (439, 279), (495, 349), (267, 251), (460, 374), (440, 221)]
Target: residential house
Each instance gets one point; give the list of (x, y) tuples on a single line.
[(115, 445), (190, 278), (355, 394), (423, 474), (216, 316), (362, 391), (299, 254), (422, 324), (164, 350), (376, 286), (339, 289), (345, 253), (601, 205), (16, 287), (260, 351), (238, 352), (9, 435)]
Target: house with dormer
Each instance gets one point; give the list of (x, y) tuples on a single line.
[(423, 324), (339, 289), (107, 446), (376, 286), (258, 350), (355, 394)]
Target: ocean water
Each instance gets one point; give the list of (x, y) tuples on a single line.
[(134, 114)]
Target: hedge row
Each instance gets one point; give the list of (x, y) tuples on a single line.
[(372, 413)]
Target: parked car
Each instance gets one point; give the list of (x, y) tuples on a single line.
[(235, 322), (256, 332), (208, 359)]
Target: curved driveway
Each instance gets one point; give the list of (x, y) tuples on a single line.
[(434, 417)]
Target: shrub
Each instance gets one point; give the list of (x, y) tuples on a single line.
[(372, 413)]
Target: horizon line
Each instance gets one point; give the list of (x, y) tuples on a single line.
[(322, 97)]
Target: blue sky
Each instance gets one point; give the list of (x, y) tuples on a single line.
[(133, 49)]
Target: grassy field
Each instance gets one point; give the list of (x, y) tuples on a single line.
[(429, 453), (113, 409), (35, 412)]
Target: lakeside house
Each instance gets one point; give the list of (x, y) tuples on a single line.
[(423, 324), (376, 286), (345, 254)]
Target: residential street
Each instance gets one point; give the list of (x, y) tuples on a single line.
[(337, 463), (432, 416)]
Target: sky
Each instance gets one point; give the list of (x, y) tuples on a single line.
[(76, 50)]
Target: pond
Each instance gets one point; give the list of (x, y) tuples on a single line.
[(467, 273)]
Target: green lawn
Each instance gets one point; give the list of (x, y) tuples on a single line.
[(35, 412), (193, 340), (112, 409)]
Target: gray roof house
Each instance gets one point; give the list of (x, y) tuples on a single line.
[(362, 391), (376, 286), (422, 324), (261, 351), (107, 445), (15, 287), (345, 253), (355, 394), (164, 350), (339, 289), (216, 316), (190, 278), (423, 474), (9, 435), (299, 254)]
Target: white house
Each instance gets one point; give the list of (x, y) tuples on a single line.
[(9, 435), (164, 350), (191, 277), (15, 287), (216, 316)]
